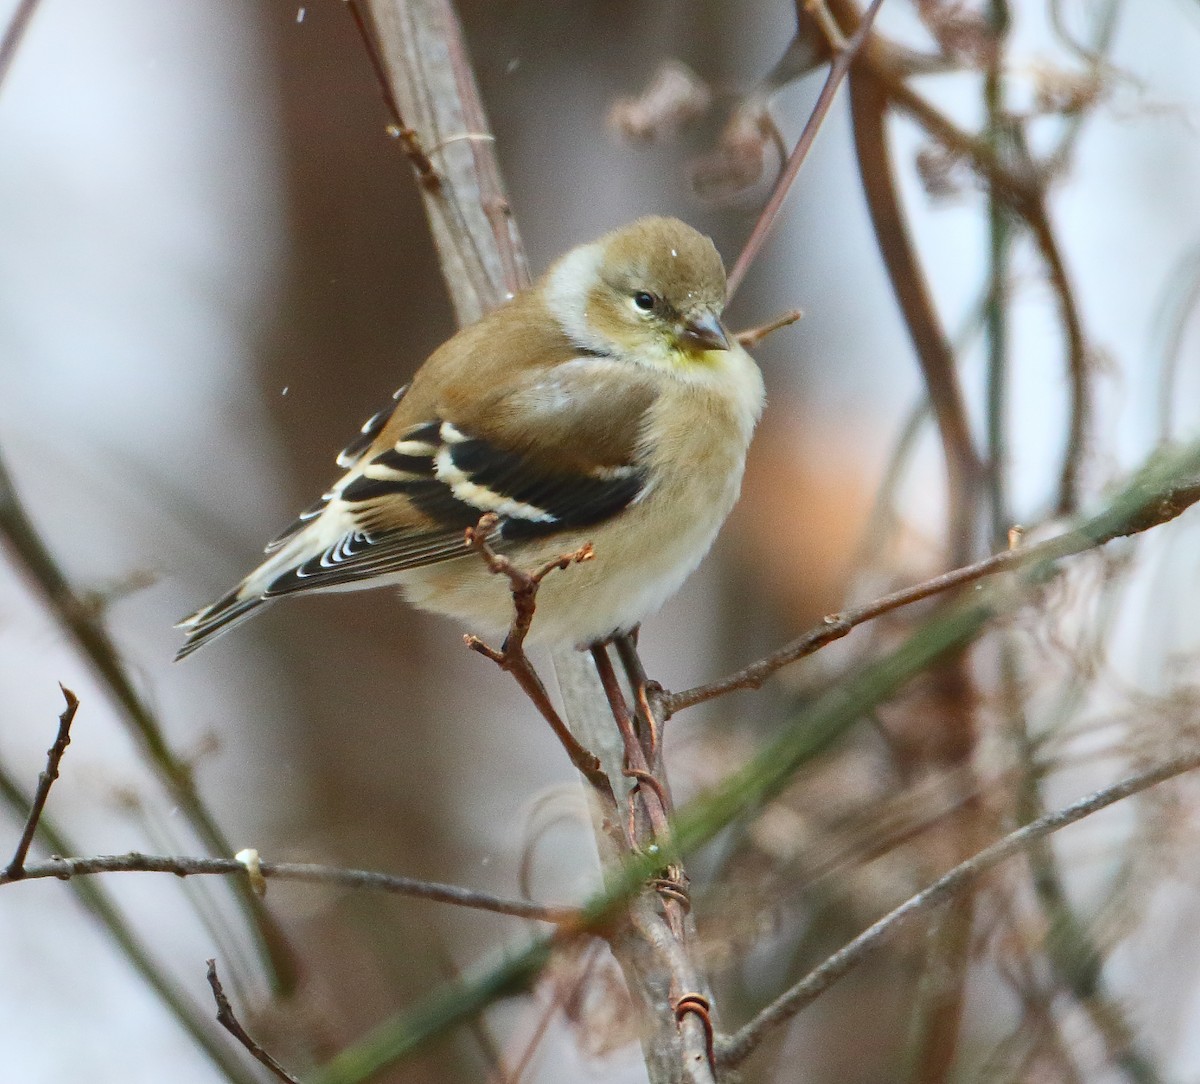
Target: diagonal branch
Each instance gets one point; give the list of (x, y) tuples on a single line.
[(766, 220), (511, 656), (15, 870), (14, 34), (734, 1050), (31, 556), (229, 1021), (1171, 502)]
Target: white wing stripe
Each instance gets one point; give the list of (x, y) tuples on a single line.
[(486, 500)]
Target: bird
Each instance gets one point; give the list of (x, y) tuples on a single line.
[(605, 404)]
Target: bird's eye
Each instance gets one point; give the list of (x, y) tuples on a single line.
[(643, 301)]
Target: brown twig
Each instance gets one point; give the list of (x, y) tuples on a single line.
[(64, 869), (230, 1022), (31, 556), (751, 337), (651, 790), (935, 355), (1177, 500), (478, 247), (734, 1050), (427, 175), (511, 656), (563, 994), (14, 33), (646, 694), (1023, 191), (15, 870), (766, 220)]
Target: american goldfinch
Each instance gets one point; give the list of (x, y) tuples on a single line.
[(605, 404)]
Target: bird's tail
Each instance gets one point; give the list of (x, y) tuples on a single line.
[(209, 622)]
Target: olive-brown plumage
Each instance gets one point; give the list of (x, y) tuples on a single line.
[(604, 404)]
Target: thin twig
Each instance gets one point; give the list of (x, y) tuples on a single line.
[(751, 337), (16, 868), (104, 909), (230, 1022), (742, 1043), (562, 995), (1171, 504), (511, 656), (766, 220), (652, 792), (65, 869), (14, 33), (935, 355), (30, 554), (646, 694), (1023, 191), (427, 175)]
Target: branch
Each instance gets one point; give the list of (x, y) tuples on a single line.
[(766, 220), (1023, 192), (1161, 506), (511, 656), (14, 33), (751, 337), (16, 868), (79, 621), (1156, 495), (482, 263), (64, 869), (96, 901), (227, 1020), (742, 1043), (935, 355), (433, 95)]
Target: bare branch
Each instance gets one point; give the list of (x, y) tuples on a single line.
[(30, 554), (14, 33), (1161, 507), (935, 355), (511, 656), (16, 868), (742, 1043), (227, 1020), (751, 337), (64, 869), (480, 252), (766, 220)]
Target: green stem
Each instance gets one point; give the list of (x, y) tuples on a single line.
[(30, 554)]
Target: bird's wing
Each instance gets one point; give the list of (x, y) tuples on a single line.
[(551, 450)]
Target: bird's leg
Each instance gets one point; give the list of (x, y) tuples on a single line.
[(636, 765), (655, 802), (644, 690)]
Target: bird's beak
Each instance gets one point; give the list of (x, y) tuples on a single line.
[(703, 331)]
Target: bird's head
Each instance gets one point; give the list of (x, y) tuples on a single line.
[(651, 291)]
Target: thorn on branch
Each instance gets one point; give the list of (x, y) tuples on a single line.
[(15, 870), (227, 1020)]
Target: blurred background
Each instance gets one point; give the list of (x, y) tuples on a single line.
[(214, 267)]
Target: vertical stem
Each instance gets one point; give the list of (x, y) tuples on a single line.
[(996, 312)]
